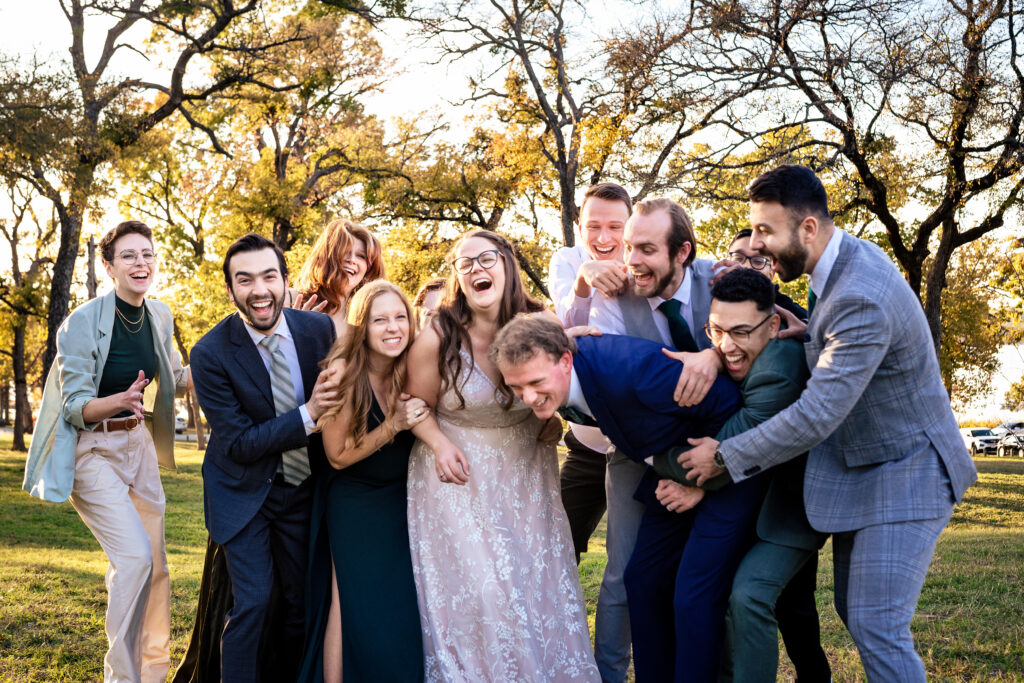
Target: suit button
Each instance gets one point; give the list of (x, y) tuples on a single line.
[(807, 338), (270, 481)]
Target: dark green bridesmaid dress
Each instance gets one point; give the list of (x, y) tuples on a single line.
[(359, 518)]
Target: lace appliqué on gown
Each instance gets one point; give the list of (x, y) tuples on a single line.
[(496, 580)]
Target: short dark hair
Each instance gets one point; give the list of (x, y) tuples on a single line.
[(745, 284), (745, 232), (611, 192), (525, 336), (795, 187), (681, 229), (252, 242), (119, 231)]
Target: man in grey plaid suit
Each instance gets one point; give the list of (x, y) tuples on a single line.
[(886, 465)]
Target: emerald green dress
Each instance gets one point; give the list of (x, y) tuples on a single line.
[(359, 519)]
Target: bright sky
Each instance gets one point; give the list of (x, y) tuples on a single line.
[(40, 26)]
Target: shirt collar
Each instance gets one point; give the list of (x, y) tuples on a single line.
[(576, 398), (257, 336), (682, 294), (824, 266)]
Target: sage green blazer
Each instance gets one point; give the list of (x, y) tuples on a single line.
[(83, 342)]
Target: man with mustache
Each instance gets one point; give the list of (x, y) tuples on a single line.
[(257, 377), (886, 464)]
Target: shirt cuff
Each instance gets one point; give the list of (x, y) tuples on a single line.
[(307, 421)]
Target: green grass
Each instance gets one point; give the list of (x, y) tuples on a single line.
[(969, 624)]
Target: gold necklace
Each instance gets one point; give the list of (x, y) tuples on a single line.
[(126, 322)]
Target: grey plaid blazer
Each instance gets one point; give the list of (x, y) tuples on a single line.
[(884, 445)]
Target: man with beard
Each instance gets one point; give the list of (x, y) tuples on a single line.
[(256, 374), (886, 464)]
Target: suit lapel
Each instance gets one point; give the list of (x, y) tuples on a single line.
[(700, 303), (637, 317), (248, 358)]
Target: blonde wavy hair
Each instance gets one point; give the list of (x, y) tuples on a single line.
[(322, 273), (354, 389)]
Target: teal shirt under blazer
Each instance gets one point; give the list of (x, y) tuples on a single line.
[(83, 343)]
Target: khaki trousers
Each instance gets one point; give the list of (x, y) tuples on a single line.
[(118, 494)]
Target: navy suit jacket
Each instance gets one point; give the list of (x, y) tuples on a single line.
[(628, 384), (248, 436)]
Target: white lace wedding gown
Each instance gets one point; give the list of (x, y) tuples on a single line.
[(496, 580)]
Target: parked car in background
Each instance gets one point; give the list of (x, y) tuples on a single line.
[(180, 425), (1011, 445), (979, 440), (1011, 426)]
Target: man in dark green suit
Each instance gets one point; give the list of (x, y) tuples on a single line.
[(781, 566)]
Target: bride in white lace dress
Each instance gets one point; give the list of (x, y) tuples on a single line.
[(496, 580)]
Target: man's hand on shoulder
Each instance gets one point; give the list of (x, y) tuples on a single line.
[(325, 393), (795, 327), (607, 277), (701, 459), (699, 372)]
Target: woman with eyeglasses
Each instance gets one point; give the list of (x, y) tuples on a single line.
[(96, 443), (496, 581)]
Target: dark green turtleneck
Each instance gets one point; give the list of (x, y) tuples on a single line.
[(131, 350)]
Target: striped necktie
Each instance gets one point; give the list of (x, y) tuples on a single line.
[(294, 463), (682, 338)]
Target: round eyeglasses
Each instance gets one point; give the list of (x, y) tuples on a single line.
[(757, 262), (739, 334), (486, 259)]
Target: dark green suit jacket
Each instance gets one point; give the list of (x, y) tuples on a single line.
[(776, 379)]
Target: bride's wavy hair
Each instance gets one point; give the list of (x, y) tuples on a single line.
[(354, 388), (454, 315)]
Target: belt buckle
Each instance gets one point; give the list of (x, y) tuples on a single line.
[(131, 423)]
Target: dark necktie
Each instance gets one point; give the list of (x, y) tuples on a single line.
[(677, 327), (570, 414), (812, 299)]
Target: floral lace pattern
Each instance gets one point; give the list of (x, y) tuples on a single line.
[(496, 581)]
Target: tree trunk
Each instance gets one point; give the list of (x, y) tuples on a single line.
[(5, 404), (63, 274), (568, 207), (90, 280), (937, 283), (22, 411)]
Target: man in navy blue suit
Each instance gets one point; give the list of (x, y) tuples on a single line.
[(675, 581), (256, 374)]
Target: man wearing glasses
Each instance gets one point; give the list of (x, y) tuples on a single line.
[(742, 255)]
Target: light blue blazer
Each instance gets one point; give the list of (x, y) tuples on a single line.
[(83, 342)]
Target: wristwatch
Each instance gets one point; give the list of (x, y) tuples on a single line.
[(719, 461)]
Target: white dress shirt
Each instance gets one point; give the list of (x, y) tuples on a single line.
[(576, 398), (287, 344), (823, 268), (686, 310), (597, 309)]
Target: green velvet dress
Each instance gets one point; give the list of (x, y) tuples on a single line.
[(359, 519)]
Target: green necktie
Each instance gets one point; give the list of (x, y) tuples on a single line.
[(677, 327), (294, 463), (812, 299)]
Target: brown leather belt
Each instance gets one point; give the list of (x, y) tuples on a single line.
[(118, 424)]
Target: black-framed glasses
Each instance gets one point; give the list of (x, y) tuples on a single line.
[(486, 259), (757, 262), (129, 256), (740, 334)]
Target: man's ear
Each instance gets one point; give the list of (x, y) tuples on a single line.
[(809, 228), (684, 252), (231, 295), (774, 324), (566, 360)]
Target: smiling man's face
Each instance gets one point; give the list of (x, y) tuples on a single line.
[(257, 288), (542, 382)]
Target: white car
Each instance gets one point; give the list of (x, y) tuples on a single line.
[(1011, 445), (180, 425), (979, 440)]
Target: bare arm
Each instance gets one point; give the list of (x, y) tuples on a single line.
[(424, 382), (130, 399)]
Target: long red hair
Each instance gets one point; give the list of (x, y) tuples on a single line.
[(322, 273)]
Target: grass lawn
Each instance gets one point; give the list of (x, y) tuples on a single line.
[(969, 623)]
